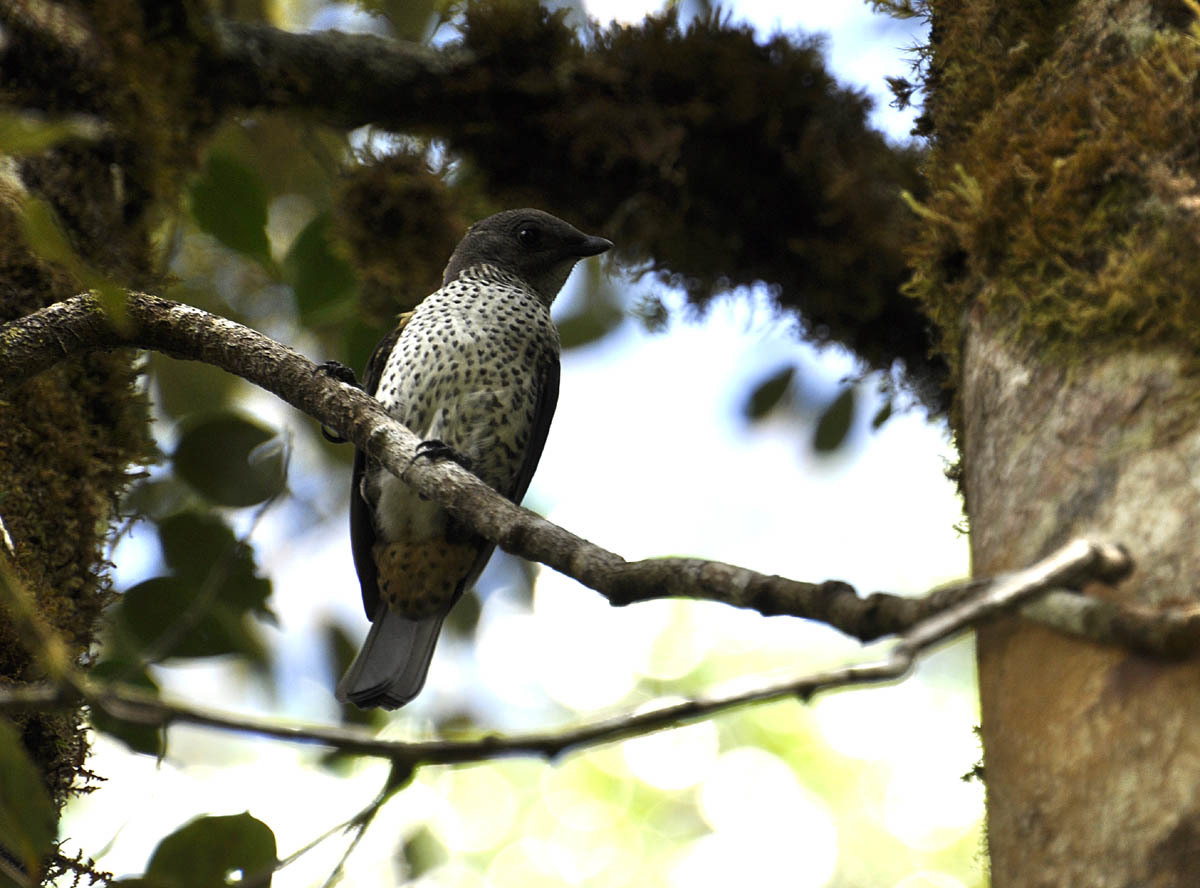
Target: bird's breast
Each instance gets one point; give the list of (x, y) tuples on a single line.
[(466, 371)]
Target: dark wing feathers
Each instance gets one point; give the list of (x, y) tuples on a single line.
[(362, 528)]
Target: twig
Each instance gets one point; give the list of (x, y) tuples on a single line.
[(1073, 564)]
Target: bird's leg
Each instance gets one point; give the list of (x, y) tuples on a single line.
[(339, 371)]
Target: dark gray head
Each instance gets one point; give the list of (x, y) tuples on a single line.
[(538, 248)]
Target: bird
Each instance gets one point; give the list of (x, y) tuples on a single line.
[(473, 371)]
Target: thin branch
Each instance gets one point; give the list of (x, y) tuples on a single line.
[(1073, 564), (34, 343), (1172, 632)]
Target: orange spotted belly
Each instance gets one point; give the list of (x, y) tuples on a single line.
[(422, 579)]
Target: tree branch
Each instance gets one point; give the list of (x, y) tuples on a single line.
[(1073, 564), (33, 343), (343, 79)]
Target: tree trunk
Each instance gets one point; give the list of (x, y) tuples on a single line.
[(1060, 258), (1092, 756)]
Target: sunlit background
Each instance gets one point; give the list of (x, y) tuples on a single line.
[(861, 788)]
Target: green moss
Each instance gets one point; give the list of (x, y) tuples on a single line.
[(1070, 205), (399, 224)]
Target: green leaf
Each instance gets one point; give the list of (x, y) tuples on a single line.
[(422, 852), (201, 547), (835, 422), (147, 739), (588, 326), (883, 414), (23, 132), (220, 456), (28, 820), (184, 384), (39, 223), (318, 275), (229, 201), (209, 851), (151, 613), (174, 617), (768, 393)]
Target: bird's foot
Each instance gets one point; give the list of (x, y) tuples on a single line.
[(436, 451), (339, 371)]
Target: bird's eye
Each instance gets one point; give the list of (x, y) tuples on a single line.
[(529, 236)]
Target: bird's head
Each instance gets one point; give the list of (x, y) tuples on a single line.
[(536, 247)]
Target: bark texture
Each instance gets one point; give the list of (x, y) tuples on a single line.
[(1092, 756)]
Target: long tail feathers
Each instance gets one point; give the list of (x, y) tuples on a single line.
[(391, 667)]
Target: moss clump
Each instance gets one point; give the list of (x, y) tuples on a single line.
[(400, 224), (1070, 207)]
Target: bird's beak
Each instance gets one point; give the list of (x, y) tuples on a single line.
[(593, 246)]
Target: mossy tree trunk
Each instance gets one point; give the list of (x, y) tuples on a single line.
[(71, 438), (1062, 258)]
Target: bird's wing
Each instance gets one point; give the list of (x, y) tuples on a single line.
[(542, 415), (362, 528)]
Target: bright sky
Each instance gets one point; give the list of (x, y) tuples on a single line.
[(671, 468)]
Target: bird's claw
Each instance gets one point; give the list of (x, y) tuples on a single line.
[(436, 451), (339, 371)]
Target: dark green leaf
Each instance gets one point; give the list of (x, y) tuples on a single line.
[(24, 132), (410, 19), (588, 326), (318, 275), (201, 547), (197, 545), (229, 201), (883, 414), (184, 384), (835, 422), (39, 223), (28, 820), (768, 393), (422, 852), (463, 620), (173, 617), (219, 455), (147, 739), (208, 851)]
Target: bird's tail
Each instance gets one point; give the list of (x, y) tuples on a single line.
[(391, 667)]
